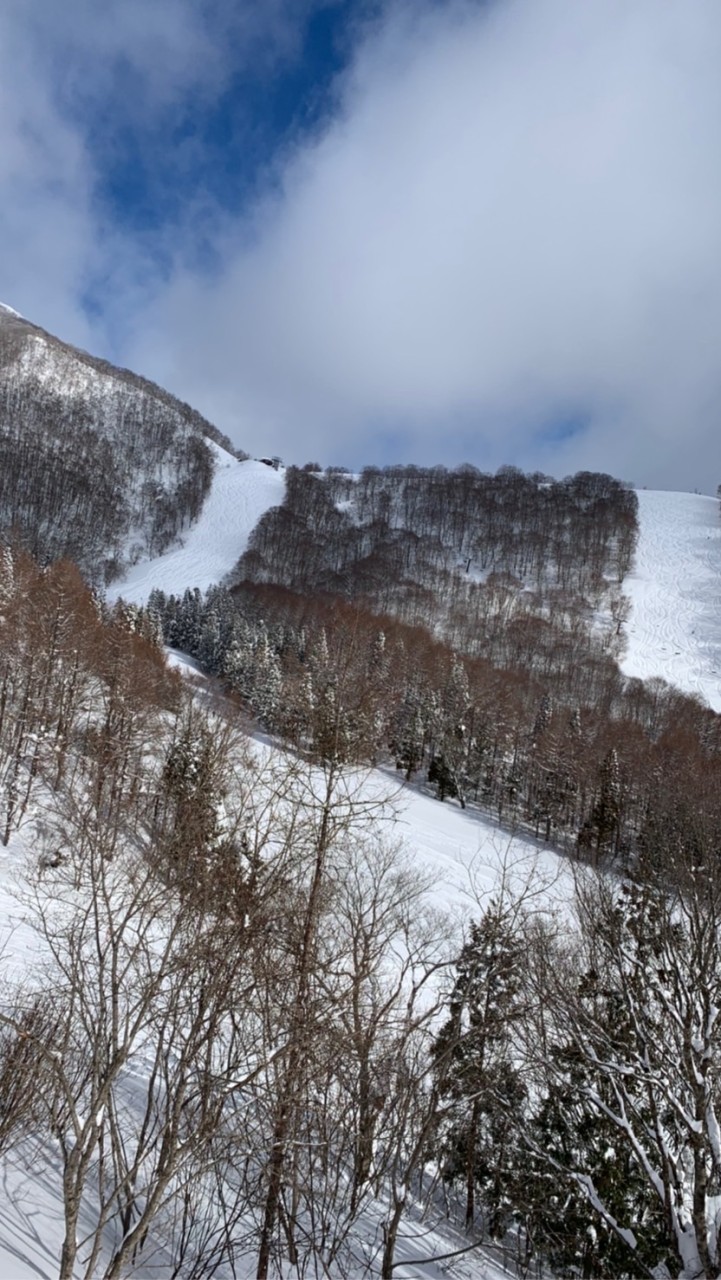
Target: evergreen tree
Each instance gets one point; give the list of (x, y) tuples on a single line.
[(190, 832), (473, 1056), (605, 818)]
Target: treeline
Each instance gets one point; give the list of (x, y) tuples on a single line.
[(460, 548), (573, 751), (96, 465)]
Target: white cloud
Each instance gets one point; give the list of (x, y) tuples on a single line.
[(515, 218), (45, 226), (79, 69)]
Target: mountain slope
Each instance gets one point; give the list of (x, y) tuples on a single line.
[(467, 852), (241, 492), (466, 858), (674, 630), (96, 463)]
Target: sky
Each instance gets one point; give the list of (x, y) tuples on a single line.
[(372, 231)]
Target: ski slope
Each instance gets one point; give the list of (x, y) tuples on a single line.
[(240, 494), (674, 630)]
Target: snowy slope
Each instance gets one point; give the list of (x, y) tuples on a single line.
[(241, 492), (465, 854), (469, 855), (674, 630)]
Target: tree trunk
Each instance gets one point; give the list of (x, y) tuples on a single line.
[(284, 1113), (471, 1166)]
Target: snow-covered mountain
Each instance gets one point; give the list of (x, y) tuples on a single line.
[(96, 463)]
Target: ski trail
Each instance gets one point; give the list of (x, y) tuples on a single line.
[(240, 494), (674, 630)]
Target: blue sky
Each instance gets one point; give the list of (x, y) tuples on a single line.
[(220, 146), (378, 230)]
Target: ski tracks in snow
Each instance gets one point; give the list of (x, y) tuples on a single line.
[(674, 630)]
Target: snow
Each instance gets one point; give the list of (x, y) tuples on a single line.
[(674, 630), (37, 361), (183, 663), (10, 311), (241, 493), (470, 855)]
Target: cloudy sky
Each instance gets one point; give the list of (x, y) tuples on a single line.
[(383, 230)]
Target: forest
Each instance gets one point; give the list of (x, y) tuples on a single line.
[(462, 550)]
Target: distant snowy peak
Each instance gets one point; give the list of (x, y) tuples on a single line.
[(10, 311)]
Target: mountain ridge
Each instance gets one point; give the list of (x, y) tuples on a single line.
[(97, 464)]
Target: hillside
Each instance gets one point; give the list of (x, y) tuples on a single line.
[(294, 1063), (469, 555), (672, 630), (464, 860), (240, 493), (96, 464), (105, 730), (674, 587)]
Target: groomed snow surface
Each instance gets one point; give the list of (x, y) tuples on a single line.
[(674, 630), (240, 494)]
